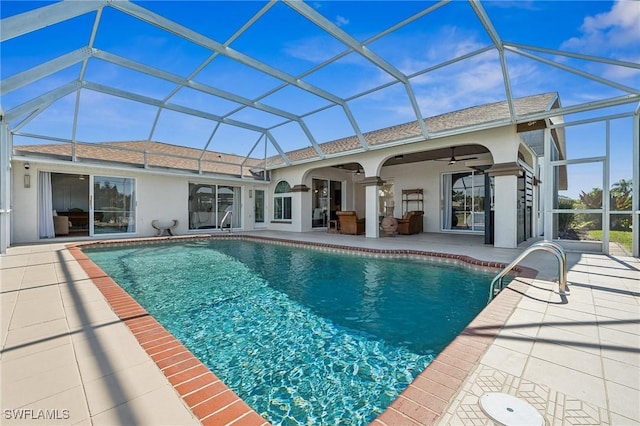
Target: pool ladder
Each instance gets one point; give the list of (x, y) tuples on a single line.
[(229, 215), (547, 246)]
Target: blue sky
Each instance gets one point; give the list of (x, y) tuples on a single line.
[(285, 40)]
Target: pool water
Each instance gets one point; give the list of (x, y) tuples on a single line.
[(303, 336)]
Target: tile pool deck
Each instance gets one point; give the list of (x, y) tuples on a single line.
[(68, 357)]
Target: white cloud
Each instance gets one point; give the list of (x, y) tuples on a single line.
[(341, 21), (612, 30)]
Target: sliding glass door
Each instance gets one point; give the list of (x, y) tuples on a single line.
[(213, 206), (260, 208), (114, 204), (326, 200), (463, 201)]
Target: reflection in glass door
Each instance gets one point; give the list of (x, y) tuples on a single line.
[(114, 203), (209, 205), (326, 200), (259, 208), (463, 201)]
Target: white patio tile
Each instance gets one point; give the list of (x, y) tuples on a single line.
[(621, 373), (565, 356), (503, 359), (69, 271), (629, 326), (621, 352), (515, 341), (98, 359), (525, 322), (96, 312), (34, 388), (566, 337), (45, 293), (7, 304), (624, 401), (124, 385), (42, 258), (566, 380), (34, 364), (14, 260), (160, 407), (40, 274), (36, 311), (631, 313), (11, 279), (588, 327), (71, 406)]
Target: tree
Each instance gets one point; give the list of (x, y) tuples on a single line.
[(622, 187), (621, 200), (592, 199)]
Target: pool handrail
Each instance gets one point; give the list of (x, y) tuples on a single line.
[(547, 246), (228, 214)]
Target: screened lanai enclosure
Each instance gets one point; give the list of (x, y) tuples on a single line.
[(239, 90)]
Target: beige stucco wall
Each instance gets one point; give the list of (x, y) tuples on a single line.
[(165, 196), (159, 196)]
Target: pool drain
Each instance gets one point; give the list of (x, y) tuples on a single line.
[(508, 410)]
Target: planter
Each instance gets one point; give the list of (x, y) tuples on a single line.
[(389, 225)]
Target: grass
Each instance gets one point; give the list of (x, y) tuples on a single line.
[(621, 237)]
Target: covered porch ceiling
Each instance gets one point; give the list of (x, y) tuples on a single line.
[(264, 79)]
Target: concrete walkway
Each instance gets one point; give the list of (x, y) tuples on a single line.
[(67, 359)]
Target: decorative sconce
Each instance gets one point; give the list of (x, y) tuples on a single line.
[(27, 176)]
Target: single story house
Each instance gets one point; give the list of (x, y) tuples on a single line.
[(477, 172)]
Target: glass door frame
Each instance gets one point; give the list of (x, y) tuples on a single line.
[(265, 209), (475, 192), (328, 203), (92, 208)]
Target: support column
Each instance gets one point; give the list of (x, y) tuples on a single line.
[(301, 208), (5, 186), (372, 201), (548, 188), (635, 221), (506, 200)]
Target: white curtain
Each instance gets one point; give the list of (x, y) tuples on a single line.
[(236, 207), (45, 215), (446, 206), (129, 189)]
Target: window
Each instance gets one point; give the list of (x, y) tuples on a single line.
[(282, 201)]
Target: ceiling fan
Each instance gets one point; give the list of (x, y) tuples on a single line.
[(358, 171), (453, 159)]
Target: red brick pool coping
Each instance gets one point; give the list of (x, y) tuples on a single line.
[(423, 402)]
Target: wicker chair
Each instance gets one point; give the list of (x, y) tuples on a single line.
[(411, 223), (349, 223)]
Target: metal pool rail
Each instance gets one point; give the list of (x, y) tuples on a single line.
[(547, 246)]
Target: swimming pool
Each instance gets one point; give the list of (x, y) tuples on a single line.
[(303, 336)]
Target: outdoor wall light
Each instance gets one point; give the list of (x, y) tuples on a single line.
[(27, 180)]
